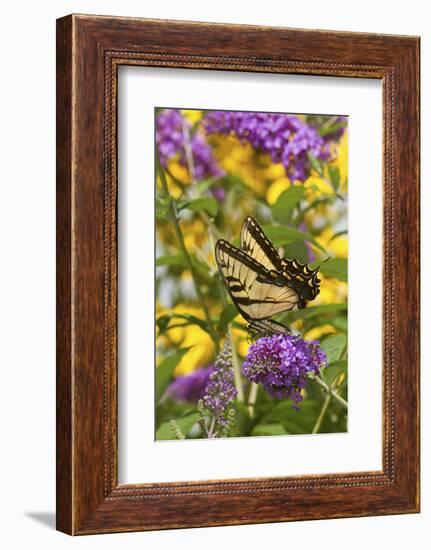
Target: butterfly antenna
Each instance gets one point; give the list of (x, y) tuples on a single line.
[(324, 262)]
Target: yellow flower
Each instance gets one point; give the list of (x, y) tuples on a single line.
[(240, 338), (341, 161), (337, 246), (275, 171), (195, 233), (320, 185), (161, 339), (297, 325), (242, 160), (317, 332), (201, 346), (192, 115), (200, 353), (315, 187), (276, 189), (179, 172), (332, 291)]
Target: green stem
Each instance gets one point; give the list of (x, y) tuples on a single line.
[(236, 369), (184, 250), (301, 215), (210, 432), (252, 398), (330, 391), (322, 414)]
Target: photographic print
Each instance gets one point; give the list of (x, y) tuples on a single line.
[(251, 273), (236, 350)]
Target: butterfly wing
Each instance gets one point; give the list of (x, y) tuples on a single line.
[(300, 277), (303, 279), (257, 292), (256, 244), (267, 326)]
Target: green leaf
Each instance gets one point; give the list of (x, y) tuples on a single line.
[(334, 176), (204, 185), (315, 311), (233, 181), (335, 268), (185, 424), (334, 347), (297, 250), (281, 236), (327, 199), (169, 408), (227, 315), (340, 364), (189, 320), (340, 323), (202, 203), (317, 165), (243, 422), (269, 429), (294, 421), (286, 202), (163, 321), (179, 260), (165, 371), (329, 374), (325, 131)]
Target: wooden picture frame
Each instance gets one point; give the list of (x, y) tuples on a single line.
[(89, 51)]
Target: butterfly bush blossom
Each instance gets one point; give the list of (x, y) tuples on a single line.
[(216, 413), (281, 363), (174, 134), (284, 137), (190, 387)]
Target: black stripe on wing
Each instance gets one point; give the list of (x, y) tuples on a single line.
[(257, 245), (300, 277), (257, 292), (239, 255)]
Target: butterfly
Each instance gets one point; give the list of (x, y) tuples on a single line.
[(260, 282)]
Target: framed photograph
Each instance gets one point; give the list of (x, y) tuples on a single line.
[(237, 274)]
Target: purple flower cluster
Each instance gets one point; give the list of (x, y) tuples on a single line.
[(220, 390), (284, 137), (190, 387), (173, 135), (281, 364)]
